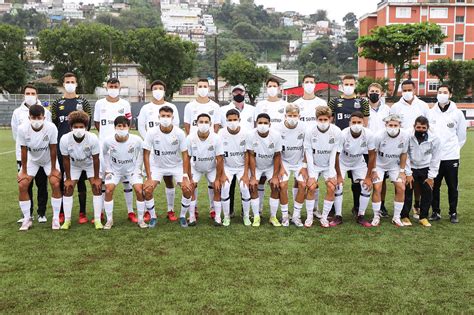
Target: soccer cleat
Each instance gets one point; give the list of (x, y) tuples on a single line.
[(383, 212), (183, 222), (406, 222), (142, 225), (98, 225), (308, 223), (108, 225), (297, 222), (285, 221), (101, 218), (375, 221), (212, 214), (25, 226), (66, 225), (247, 221), (416, 213), (256, 221), (324, 223), (132, 217), (318, 214), (192, 223), (226, 222), (61, 217), (274, 221), (153, 222), (362, 221), (425, 222), (55, 225), (42, 219), (20, 220), (146, 217), (336, 221), (171, 216), (83, 218), (435, 216), (217, 222), (397, 222), (453, 217)]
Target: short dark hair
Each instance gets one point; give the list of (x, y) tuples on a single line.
[(263, 115), (69, 75), (357, 114), (121, 120), (166, 109), (78, 116), (349, 77), (29, 86), (272, 80), (36, 110), (406, 82), (203, 80), (232, 112), (309, 76), (157, 82), (203, 115), (445, 86), (422, 120), (113, 81)]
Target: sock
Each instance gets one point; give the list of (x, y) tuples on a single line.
[(316, 199), (185, 202), (196, 196), (109, 208), (309, 209), (103, 195), (327, 205), (210, 193), (397, 209), (128, 192), (170, 194), (192, 213), (255, 207), (295, 192), (363, 200), (355, 187), (297, 210), (97, 203), (218, 209), (67, 206), (225, 199), (25, 209), (376, 209), (338, 200), (56, 205), (245, 193), (150, 207), (261, 196), (284, 211), (417, 204), (382, 204), (140, 210), (274, 207)]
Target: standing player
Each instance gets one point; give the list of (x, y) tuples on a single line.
[(80, 151), (148, 119), (38, 140), (234, 139), (391, 145), (123, 159), (264, 150), (320, 144), (170, 159)]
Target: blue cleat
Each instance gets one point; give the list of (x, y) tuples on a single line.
[(183, 222), (152, 223)]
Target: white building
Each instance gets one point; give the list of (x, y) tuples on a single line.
[(291, 77)]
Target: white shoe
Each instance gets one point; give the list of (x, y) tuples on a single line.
[(55, 224), (285, 221), (25, 226), (375, 221), (20, 220), (318, 214), (297, 222), (42, 219), (308, 223), (142, 225), (397, 222), (324, 222), (108, 225)]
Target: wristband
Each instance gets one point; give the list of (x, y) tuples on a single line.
[(374, 170), (186, 176), (402, 171), (305, 165)]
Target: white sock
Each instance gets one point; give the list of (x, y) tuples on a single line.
[(97, 202), (56, 205), (397, 209), (192, 213), (295, 192), (338, 200), (140, 210), (185, 202), (225, 199), (210, 193), (261, 196), (376, 209), (218, 209), (109, 209), (128, 192), (103, 195), (327, 208), (309, 209), (245, 193), (284, 211), (363, 200), (150, 207), (274, 207), (297, 210), (25, 209), (67, 207), (316, 199), (170, 194), (253, 204)]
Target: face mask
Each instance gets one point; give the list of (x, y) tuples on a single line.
[(309, 88), (262, 128), (30, 100), (420, 134), (158, 94), (272, 91), (292, 121), (348, 90), (203, 128), (37, 124), (113, 93), (443, 98), (392, 131), (374, 97), (165, 121), (407, 96), (239, 98), (203, 92), (233, 125), (79, 132), (357, 128), (70, 87), (323, 126), (122, 133)]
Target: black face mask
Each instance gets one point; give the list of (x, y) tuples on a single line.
[(374, 97), (239, 98), (420, 134)]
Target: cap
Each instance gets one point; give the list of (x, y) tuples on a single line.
[(238, 87)]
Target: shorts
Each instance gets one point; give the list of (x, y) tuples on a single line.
[(231, 172), (292, 169), (76, 172), (157, 174), (133, 179), (358, 173), (211, 176), (268, 173), (325, 173), (32, 168), (393, 175)]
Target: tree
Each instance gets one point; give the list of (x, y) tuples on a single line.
[(398, 44), (29, 20), (350, 20), (138, 17), (457, 74), (83, 49), (247, 31), (161, 56), (320, 15), (316, 52), (439, 68), (12, 67), (364, 82), (236, 68)]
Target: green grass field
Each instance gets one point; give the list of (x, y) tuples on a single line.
[(206, 269)]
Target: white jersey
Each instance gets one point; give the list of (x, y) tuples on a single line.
[(321, 147), (377, 116), (148, 118), (105, 113), (166, 148), (351, 150), (80, 153), (123, 158), (38, 142), (276, 111), (203, 153), (264, 148), (234, 147), (193, 109), (308, 109), (292, 141), (408, 112), (389, 149), (247, 115)]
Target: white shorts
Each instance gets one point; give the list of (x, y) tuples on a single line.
[(393, 175), (325, 173), (76, 172), (211, 176), (292, 169), (158, 174), (358, 173), (133, 179), (268, 173), (231, 172), (32, 168)]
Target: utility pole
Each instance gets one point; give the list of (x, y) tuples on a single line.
[(110, 47), (329, 87), (216, 72)]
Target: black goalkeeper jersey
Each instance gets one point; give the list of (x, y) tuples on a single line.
[(62, 107), (342, 108)]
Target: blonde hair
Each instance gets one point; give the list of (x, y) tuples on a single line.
[(323, 111), (376, 85), (292, 108)]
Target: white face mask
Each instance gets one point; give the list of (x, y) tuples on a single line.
[(37, 124), (122, 133), (309, 88), (158, 94), (292, 121), (113, 93), (392, 132), (233, 125), (165, 121), (203, 128), (323, 126), (203, 92), (348, 90), (70, 87), (263, 128), (407, 96), (79, 132), (272, 91), (357, 128), (30, 100), (442, 98)]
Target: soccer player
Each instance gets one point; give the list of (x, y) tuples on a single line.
[(165, 154), (234, 138), (123, 159), (38, 140), (105, 112), (449, 124), (80, 151), (148, 119), (264, 150), (60, 109), (20, 116), (422, 168), (320, 144), (391, 145), (356, 141), (292, 155), (206, 153)]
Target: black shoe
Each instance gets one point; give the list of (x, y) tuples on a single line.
[(355, 212), (435, 216), (454, 218), (383, 212)]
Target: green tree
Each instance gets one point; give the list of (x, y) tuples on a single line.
[(161, 56), (247, 31), (136, 17), (12, 67), (236, 68), (364, 82), (457, 74), (350, 20), (29, 20), (398, 44), (439, 68), (319, 51)]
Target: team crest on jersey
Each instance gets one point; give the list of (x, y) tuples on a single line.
[(242, 143), (103, 110), (450, 125), (283, 137), (249, 119), (255, 144), (300, 136), (339, 104), (271, 146), (428, 152), (364, 144), (400, 145), (175, 142), (314, 139), (61, 107), (383, 144), (87, 149), (226, 143), (79, 107), (109, 175), (130, 149), (211, 148), (281, 110), (357, 104), (46, 138), (331, 141), (211, 112), (157, 142), (121, 111)]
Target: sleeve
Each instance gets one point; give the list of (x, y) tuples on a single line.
[(461, 132), (340, 145), (278, 143), (20, 139), (189, 145), (95, 149), (365, 107), (97, 111), (248, 142), (106, 156), (128, 111), (47, 114), (63, 146), (148, 142), (308, 150), (14, 124), (139, 161), (435, 159), (176, 120), (405, 143), (183, 145), (141, 122), (408, 171), (54, 112), (219, 146), (53, 136), (188, 114), (87, 108), (370, 140), (331, 105), (332, 157)]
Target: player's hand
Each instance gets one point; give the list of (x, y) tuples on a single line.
[(22, 176), (312, 184), (96, 183), (409, 181), (217, 185), (186, 185), (403, 177), (148, 183), (375, 176), (246, 181), (340, 180), (304, 173), (224, 179), (55, 173), (253, 184), (430, 182), (283, 172), (275, 183), (367, 183), (68, 185)]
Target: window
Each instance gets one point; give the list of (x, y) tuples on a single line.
[(438, 50), (186, 90), (458, 56), (459, 37), (460, 1), (421, 86), (422, 67), (423, 48), (433, 86), (424, 12), (438, 13), (460, 19), (403, 13), (444, 29)]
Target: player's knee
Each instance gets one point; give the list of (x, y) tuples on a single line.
[(23, 185), (301, 185), (284, 185)]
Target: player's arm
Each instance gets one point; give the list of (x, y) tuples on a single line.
[(366, 112), (24, 158), (276, 170), (403, 164), (146, 162), (141, 124), (97, 116), (186, 185), (187, 127), (54, 112), (338, 169), (219, 172), (88, 109)]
